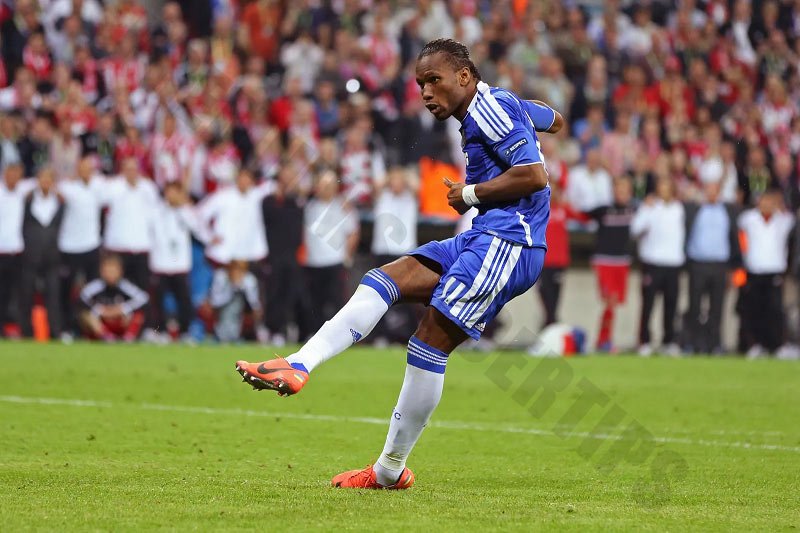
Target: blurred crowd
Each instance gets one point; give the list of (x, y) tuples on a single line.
[(143, 141)]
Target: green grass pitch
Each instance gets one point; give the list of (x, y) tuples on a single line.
[(135, 437)]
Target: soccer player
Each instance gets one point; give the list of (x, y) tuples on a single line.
[(465, 280)]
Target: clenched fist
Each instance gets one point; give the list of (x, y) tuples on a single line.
[(454, 196)]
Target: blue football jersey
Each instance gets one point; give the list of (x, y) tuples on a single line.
[(499, 132)]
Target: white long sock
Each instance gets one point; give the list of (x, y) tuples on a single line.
[(353, 322), (419, 396)]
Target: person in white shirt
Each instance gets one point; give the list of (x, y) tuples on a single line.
[(131, 201), (331, 236), (394, 233), (766, 230), (659, 227), (13, 190), (234, 220), (41, 223), (79, 238), (590, 185), (172, 227), (396, 209)]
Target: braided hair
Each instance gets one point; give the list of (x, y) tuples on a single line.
[(457, 54)]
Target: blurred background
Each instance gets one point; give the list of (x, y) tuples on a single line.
[(181, 171)]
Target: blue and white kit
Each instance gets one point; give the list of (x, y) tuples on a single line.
[(501, 256)]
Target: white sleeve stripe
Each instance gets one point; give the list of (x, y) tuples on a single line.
[(485, 127), (498, 110), (489, 121), (483, 107), (91, 289)]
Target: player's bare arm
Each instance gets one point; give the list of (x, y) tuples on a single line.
[(515, 183)]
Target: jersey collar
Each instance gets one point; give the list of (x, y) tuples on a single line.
[(482, 88)]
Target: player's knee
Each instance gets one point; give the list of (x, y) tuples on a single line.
[(383, 284), (438, 331)]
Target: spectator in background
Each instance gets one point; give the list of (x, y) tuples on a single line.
[(79, 239), (641, 178), (362, 168), (234, 297), (9, 138), (712, 251), (591, 130), (65, 150), (44, 211), (13, 192), (130, 145), (784, 177), (658, 225), (557, 167), (327, 108), (261, 20), (766, 229), (394, 233), (331, 236), (611, 259), (552, 85), (590, 185), (170, 260), (131, 200), (112, 305), (756, 177), (35, 147), (619, 147), (395, 212), (557, 258), (283, 219), (730, 191), (101, 143), (302, 58), (230, 209), (171, 153)]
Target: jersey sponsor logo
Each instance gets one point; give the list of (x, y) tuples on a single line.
[(356, 335), (521, 142)]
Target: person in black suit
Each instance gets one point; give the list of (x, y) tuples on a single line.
[(14, 33), (283, 220), (712, 250), (44, 210)]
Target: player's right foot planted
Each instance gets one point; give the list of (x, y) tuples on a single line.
[(275, 374), (367, 479)]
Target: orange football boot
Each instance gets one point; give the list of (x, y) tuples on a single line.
[(367, 479), (275, 374)]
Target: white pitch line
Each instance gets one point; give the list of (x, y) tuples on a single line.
[(445, 424)]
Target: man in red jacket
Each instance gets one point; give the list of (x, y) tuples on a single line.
[(557, 258)]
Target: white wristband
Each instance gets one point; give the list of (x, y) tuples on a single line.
[(469, 196)]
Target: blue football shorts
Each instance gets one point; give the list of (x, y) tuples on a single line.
[(480, 274)]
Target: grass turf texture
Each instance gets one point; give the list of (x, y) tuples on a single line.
[(173, 440)]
